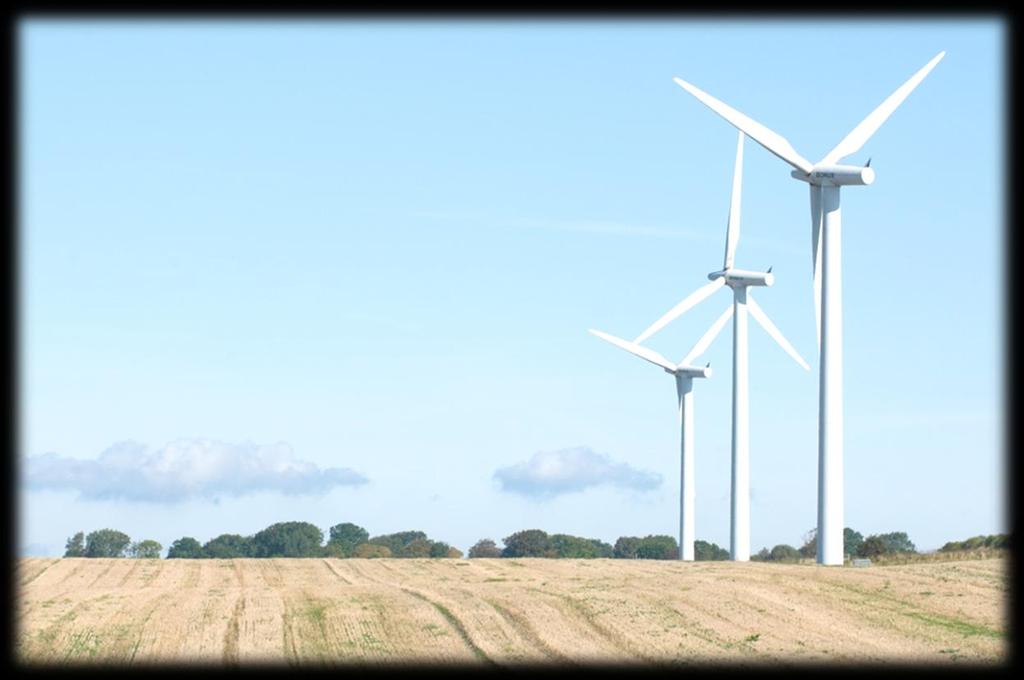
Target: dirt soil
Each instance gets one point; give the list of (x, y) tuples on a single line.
[(506, 611)]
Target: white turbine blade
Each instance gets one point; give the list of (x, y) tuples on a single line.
[(691, 300), (732, 234), (766, 323), (709, 337), (816, 256), (862, 133), (633, 348), (769, 139)]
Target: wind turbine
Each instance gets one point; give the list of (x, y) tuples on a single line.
[(684, 374), (739, 280), (825, 178)]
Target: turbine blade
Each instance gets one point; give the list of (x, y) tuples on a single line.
[(773, 141), (862, 133), (816, 256), (732, 234), (633, 348), (690, 301), (766, 323), (708, 337)]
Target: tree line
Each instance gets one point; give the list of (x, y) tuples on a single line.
[(538, 543), (347, 540), (284, 539), (854, 545)]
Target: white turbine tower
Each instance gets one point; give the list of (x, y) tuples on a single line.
[(825, 178), (684, 374), (739, 280)]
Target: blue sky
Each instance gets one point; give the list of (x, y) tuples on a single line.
[(343, 271)]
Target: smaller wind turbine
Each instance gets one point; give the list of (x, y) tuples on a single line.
[(684, 373), (739, 280)]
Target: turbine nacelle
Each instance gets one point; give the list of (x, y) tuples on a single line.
[(691, 371), (836, 175), (743, 277)]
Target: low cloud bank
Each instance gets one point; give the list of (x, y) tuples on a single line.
[(551, 473), (185, 469)]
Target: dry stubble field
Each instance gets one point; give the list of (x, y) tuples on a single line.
[(505, 611)]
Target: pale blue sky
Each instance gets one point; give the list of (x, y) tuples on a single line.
[(379, 245)]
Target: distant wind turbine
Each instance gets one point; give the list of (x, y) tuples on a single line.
[(825, 178), (684, 374), (739, 280)]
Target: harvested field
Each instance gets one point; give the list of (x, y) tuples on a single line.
[(506, 611)]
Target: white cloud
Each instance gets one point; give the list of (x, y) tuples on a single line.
[(184, 469), (550, 473)]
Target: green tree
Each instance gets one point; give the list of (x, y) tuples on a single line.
[(288, 539), (417, 548), (898, 542), (185, 548), (371, 550), (107, 543), (397, 542), (485, 547), (810, 547), (564, 545), (146, 550), (439, 549), (873, 546), (345, 537), (454, 553), (763, 555), (528, 543), (998, 541), (75, 547), (704, 551), (229, 546), (784, 553), (626, 547), (335, 550), (657, 548), (852, 541)]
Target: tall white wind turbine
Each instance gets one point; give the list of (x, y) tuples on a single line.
[(684, 374), (825, 178), (739, 280)]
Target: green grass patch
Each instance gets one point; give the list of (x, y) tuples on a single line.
[(965, 628)]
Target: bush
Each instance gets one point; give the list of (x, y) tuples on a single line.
[(185, 548), (440, 549), (852, 541), (368, 550), (417, 548), (485, 547), (886, 544), (396, 543), (704, 551), (564, 545), (994, 541), (146, 550), (784, 553), (229, 546), (454, 553)]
